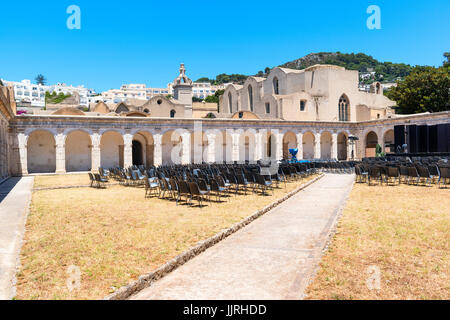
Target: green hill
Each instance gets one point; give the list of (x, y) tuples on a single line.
[(383, 71)]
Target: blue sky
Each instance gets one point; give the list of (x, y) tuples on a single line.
[(144, 41)]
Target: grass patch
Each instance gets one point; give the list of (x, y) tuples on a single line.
[(403, 231), (56, 181), (114, 236)]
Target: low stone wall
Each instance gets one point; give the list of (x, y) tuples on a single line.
[(147, 279)]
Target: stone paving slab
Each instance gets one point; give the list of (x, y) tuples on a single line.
[(273, 258), (15, 196)]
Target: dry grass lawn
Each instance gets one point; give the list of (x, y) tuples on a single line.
[(402, 230), (55, 181), (113, 235)]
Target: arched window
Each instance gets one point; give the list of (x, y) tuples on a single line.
[(230, 102), (172, 113), (344, 108), (276, 86), (250, 97)]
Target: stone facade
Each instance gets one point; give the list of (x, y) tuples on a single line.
[(315, 110), (7, 112), (318, 93), (80, 143)]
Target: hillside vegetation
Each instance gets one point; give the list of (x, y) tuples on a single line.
[(381, 71)]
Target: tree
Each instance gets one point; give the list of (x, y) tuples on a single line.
[(195, 99), (425, 89), (447, 56), (40, 79), (267, 70), (215, 98)]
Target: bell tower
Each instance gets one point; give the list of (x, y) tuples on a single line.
[(182, 89)]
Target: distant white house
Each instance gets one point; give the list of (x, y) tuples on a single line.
[(34, 94)]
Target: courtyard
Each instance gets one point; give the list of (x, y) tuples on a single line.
[(401, 233), (114, 235)]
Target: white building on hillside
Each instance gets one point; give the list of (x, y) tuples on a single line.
[(34, 94)]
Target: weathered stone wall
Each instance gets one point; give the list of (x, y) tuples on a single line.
[(111, 140), (4, 170), (7, 112)]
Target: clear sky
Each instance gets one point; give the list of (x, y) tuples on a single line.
[(145, 41)]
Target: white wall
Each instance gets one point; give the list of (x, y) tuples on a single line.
[(111, 150), (78, 152), (41, 152)]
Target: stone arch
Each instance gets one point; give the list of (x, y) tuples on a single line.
[(199, 143), (289, 142), (389, 141), (247, 145), (78, 151), (145, 155), (325, 145), (308, 145), (41, 152), (342, 141), (269, 147), (171, 142), (111, 149), (225, 144), (371, 141), (344, 108), (172, 113)]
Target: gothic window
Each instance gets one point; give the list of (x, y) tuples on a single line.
[(172, 113), (268, 107), (344, 109), (230, 102), (276, 86), (250, 97)]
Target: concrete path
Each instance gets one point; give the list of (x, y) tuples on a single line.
[(271, 259), (15, 196)]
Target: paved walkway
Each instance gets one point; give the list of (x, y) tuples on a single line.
[(15, 196), (272, 258)]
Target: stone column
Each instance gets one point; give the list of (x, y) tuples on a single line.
[(317, 153), (279, 146), (127, 150), (60, 139), (186, 148), (300, 146), (334, 146), (258, 146), (95, 152), (23, 156), (349, 149), (235, 154), (211, 158), (157, 151)]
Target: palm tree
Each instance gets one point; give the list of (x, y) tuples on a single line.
[(40, 79)]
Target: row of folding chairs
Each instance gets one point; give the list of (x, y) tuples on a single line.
[(411, 175)]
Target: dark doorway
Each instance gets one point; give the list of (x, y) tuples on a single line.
[(137, 153)]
